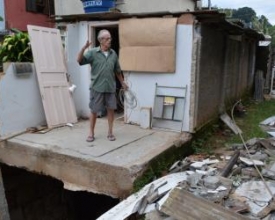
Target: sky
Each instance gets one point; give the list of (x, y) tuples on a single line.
[(261, 7)]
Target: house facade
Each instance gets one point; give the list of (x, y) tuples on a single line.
[(71, 7), (190, 70), (18, 14), (183, 68)]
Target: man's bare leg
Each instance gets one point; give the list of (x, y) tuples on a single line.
[(111, 116), (93, 118)]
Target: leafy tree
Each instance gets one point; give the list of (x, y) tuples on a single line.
[(246, 14), (1, 19), (227, 11)]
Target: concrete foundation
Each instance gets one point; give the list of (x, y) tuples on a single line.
[(103, 166)]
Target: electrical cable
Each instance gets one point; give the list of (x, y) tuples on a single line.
[(257, 169), (128, 98)]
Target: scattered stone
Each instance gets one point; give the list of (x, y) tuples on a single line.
[(239, 190), (252, 141), (199, 165), (251, 162), (194, 179), (211, 182), (250, 172), (237, 146), (255, 194)]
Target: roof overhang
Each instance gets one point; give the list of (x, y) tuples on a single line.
[(209, 17), (112, 16)]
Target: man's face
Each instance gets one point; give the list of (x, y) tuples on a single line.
[(106, 40)]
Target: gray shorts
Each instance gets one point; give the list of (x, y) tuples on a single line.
[(100, 100)]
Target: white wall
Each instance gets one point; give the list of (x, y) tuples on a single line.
[(80, 75), (20, 103), (69, 7), (143, 84), (142, 6)]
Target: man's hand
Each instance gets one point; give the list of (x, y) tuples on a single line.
[(81, 52), (88, 44), (124, 85)]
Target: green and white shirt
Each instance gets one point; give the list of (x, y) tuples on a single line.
[(103, 69)]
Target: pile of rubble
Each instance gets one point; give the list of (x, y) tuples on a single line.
[(237, 184)]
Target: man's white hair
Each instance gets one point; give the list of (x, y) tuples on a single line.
[(101, 33)]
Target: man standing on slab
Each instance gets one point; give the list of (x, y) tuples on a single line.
[(104, 68)]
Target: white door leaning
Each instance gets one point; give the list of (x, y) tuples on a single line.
[(51, 71)]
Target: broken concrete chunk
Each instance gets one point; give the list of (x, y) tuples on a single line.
[(237, 146), (199, 165), (225, 157), (129, 206), (194, 179), (271, 133), (269, 121), (259, 156), (211, 182), (210, 172), (251, 162), (208, 161), (255, 194), (250, 172), (221, 188), (150, 208), (269, 171), (252, 141)]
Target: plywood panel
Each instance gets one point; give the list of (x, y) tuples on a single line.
[(148, 44)]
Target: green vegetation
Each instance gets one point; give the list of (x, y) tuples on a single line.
[(15, 48), (249, 16), (220, 135), (245, 14), (160, 165)]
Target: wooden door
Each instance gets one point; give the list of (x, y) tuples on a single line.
[(51, 71)]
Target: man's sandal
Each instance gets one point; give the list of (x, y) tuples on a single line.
[(111, 137), (90, 139)]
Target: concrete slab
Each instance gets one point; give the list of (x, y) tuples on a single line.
[(103, 166)]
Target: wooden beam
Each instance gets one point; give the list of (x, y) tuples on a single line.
[(183, 205)]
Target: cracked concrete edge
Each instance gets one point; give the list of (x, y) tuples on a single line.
[(75, 173)]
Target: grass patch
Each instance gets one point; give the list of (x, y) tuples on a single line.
[(255, 113)]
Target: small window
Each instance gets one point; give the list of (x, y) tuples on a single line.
[(40, 6), (31, 6)]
